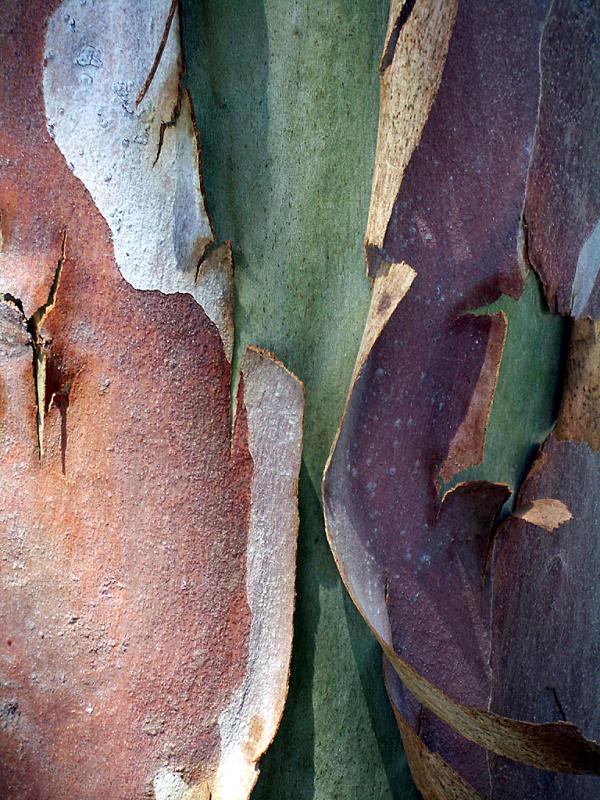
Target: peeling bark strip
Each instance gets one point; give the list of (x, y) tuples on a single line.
[(466, 448), (274, 402), (117, 110), (547, 514), (147, 567), (432, 776), (409, 83), (489, 633)]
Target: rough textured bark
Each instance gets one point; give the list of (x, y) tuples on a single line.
[(490, 172), (147, 572)]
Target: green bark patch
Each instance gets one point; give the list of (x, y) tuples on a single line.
[(525, 404), (286, 96)]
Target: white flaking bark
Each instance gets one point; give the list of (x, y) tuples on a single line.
[(140, 163), (274, 401), (168, 785)]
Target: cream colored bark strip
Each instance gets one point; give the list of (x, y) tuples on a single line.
[(408, 89), (546, 513), (389, 287), (274, 401), (434, 778), (140, 162)]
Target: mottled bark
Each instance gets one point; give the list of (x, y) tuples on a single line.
[(147, 573)]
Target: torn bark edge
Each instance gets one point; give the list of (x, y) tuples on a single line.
[(215, 292), (468, 444), (215, 262), (178, 120), (214, 268), (434, 778), (183, 103), (159, 52), (579, 415), (274, 401), (171, 122), (184, 93), (389, 287), (414, 54), (556, 747), (546, 513)]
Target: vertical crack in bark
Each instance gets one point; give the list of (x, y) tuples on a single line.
[(172, 121), (34, 325), (60, 399), (401, 20), (38, 343), (159, 52), (563, 716), (529, 263)]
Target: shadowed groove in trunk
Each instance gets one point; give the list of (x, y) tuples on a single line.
[(286, 96)]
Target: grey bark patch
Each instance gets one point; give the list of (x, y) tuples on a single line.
[(586, 272), (139, 161)]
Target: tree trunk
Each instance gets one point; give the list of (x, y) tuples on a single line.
[(184, 188)]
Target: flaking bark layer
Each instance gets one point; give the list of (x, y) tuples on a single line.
[(512, 117), (129, 618)]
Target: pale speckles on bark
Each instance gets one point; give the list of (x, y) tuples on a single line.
[(451, 176)]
